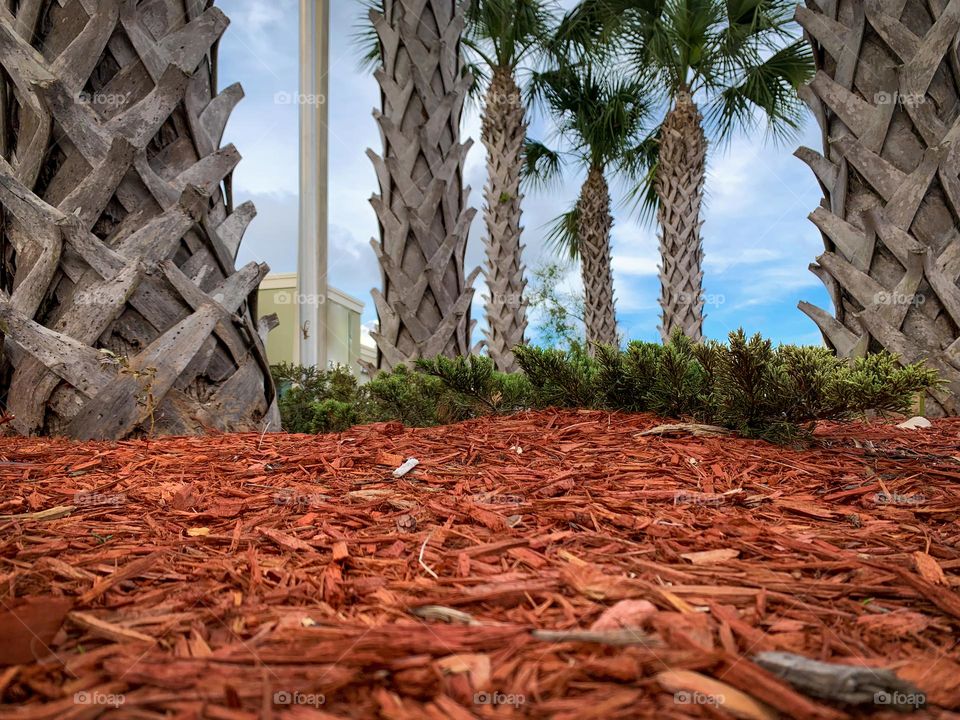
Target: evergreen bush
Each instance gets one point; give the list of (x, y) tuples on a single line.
[(745, 384)]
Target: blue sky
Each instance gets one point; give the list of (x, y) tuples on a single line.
[(757, 239)]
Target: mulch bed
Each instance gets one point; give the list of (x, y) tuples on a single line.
[(246, 576)]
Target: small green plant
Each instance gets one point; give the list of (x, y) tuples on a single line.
[(557, 315), (145, 376)]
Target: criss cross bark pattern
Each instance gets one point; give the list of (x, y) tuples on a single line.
[(593, 228), (503, 132), (679, 186), (886, 97), (424, 308), (121, 309)]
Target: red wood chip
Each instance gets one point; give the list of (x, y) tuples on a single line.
[(292, 576)]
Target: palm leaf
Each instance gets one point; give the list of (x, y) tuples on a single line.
[(769, 89), (541, 165), (563, 236), (364, 36), (640, 163)]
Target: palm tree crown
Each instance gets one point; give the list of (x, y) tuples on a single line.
[(600, 118), (743, 59), (504, 33), (743, 56)]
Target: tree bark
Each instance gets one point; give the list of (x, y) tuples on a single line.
[(122, 312), (594, 221), (504, 129), (424, 307), (679, 186), (887, 97)]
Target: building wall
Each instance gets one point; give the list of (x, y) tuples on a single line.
[(278, 294), (282, 345)]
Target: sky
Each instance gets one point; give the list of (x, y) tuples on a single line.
[(758, 241)]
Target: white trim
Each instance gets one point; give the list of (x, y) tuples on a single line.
[(341, 298), (279, 281)]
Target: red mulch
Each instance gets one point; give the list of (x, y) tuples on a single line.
[(223, 576)]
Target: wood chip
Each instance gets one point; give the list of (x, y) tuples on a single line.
[(573, 575)]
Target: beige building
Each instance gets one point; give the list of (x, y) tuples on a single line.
[(279, 294)]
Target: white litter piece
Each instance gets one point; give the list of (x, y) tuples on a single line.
[(408, 465), (915, 423)]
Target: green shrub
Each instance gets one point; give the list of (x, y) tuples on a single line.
[(560, 378), (437, 391), (413, 398), (474, 388), (746, 384), (333, 416), (312, 401)]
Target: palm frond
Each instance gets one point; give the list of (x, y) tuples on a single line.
[(364, 36), (639, 164), (506, 32), (563, 236), (767, 89), (593, 27), (541, 165)]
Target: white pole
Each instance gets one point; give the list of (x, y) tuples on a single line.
[(312, 241)]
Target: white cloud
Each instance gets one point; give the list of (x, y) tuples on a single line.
[(721, 260), (634, 265)]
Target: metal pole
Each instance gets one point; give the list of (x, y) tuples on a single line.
[(312, 240)]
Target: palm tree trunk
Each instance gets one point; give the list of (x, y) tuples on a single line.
[(503, 132), (424, 307), (887, 97), (593, 229), (679, 187), (122, 312)]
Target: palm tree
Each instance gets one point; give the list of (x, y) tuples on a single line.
[(600, 118), (887, 97), (424, 307), (121, 310), (744, 60), (500, 36)]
